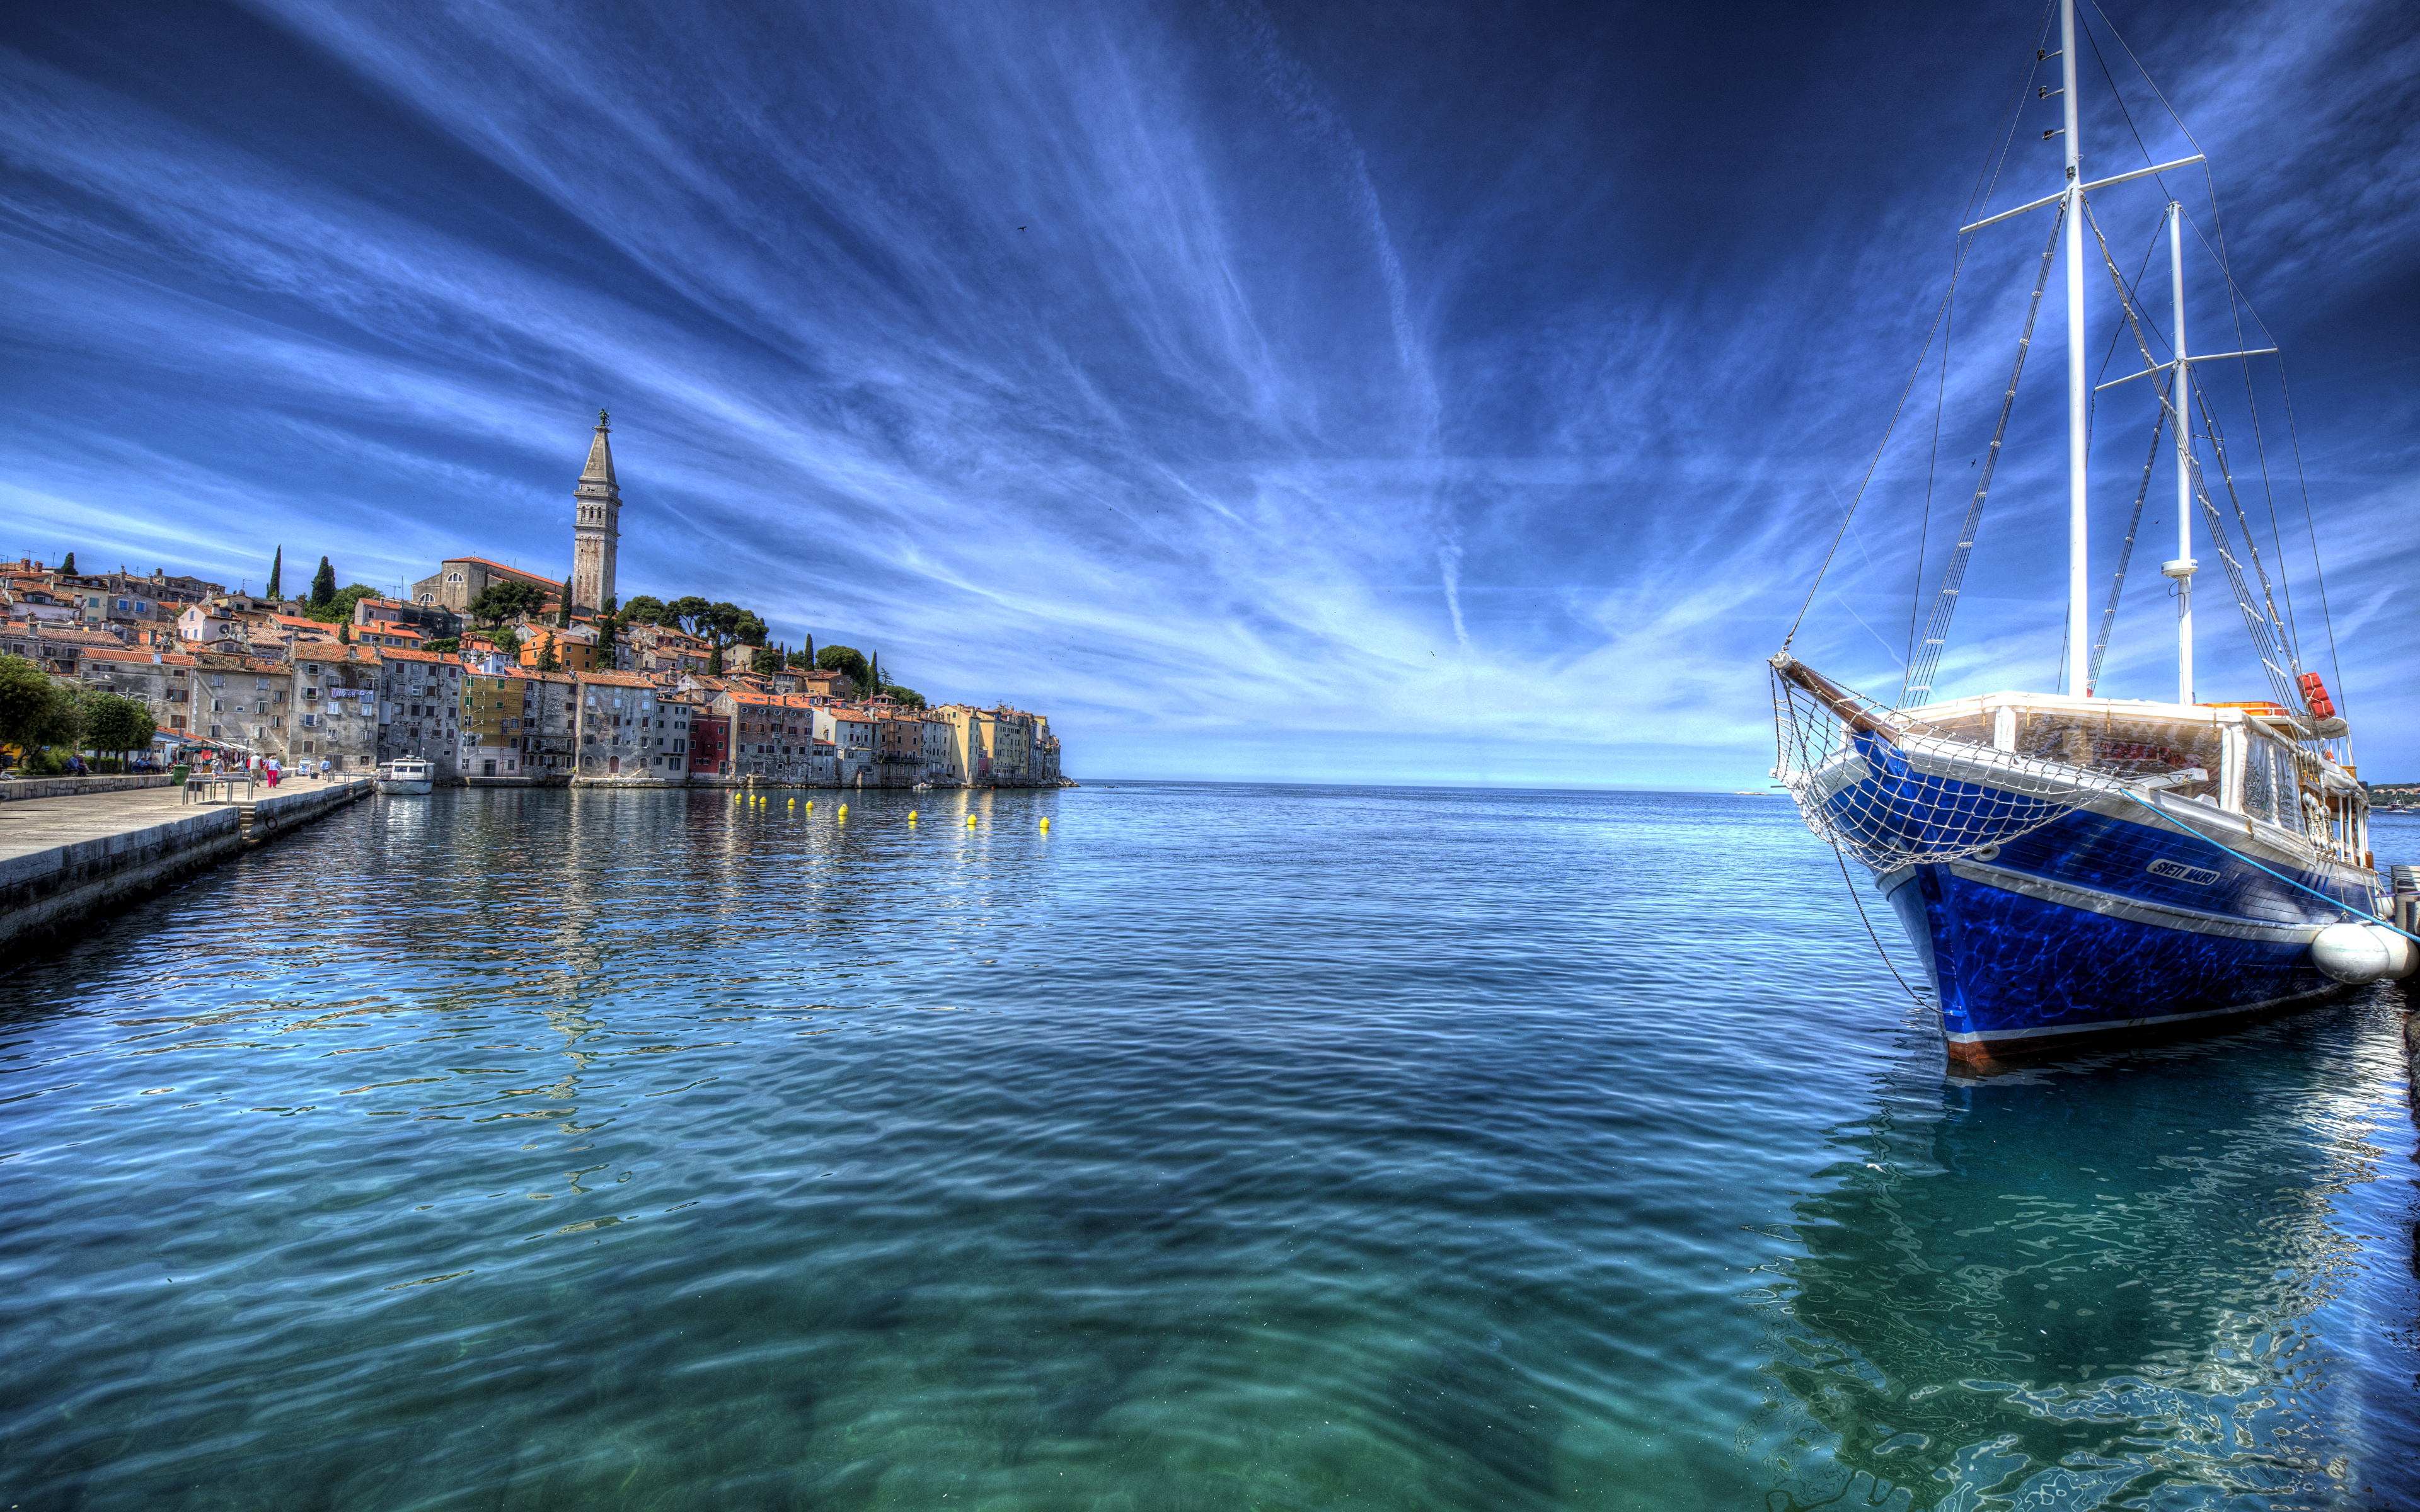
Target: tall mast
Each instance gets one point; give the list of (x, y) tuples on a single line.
[(2182, 569), (2079, 629)]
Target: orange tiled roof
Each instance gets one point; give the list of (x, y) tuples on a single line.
[(166, 658)]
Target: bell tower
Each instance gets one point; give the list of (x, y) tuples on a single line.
[(597, 524)]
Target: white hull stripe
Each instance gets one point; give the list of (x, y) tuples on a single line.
[(2134, 910)]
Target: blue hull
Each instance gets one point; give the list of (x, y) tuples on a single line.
[(2098, 926)]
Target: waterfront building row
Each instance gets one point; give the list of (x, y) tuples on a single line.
[(347, 708)]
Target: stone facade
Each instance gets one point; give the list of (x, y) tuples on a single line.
[(337, 703), (855, 739), (244, 702), (773, 737), (164, 681), (420, 695), (630, 732), (458, 581), (1002, 746)]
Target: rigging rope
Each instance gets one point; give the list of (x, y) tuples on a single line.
[(1944, 604), (1986, 179), (2284, 681), (2126, 554)]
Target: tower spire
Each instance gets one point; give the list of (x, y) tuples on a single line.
[(601, 453), (596, 523)]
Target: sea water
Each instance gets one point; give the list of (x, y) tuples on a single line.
[(1221, 1147)]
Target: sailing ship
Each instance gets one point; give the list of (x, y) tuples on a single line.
[(2073, 870)]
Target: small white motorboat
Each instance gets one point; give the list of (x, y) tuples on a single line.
[(410, 775)]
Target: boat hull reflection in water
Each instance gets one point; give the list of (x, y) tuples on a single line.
[(2122, 1285)]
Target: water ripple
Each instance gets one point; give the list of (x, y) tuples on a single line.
[(1222, 1147)]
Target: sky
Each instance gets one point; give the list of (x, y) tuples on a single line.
[(1364, 393)]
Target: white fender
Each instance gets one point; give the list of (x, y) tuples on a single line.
[(2403, 956), (2351, 953)]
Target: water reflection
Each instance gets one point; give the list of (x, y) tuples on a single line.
[(2093, 1284)]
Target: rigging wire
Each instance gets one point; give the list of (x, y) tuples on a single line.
[(1888, 965), (1986, 179), (2283, 681), (2226, 270), (2326, 619), (2125, 553), (1944, 603)]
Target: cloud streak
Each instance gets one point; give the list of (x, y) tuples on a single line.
[(1262, 391)]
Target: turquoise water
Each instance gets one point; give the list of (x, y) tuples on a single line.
[(1222, 1147)]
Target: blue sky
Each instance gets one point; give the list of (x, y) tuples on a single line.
[(1395, 392)]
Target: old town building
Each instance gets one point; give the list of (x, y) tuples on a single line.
[(419, 713), (631, 731), (336, 699)]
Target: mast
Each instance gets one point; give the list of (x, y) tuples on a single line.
[(2079, 630), (2182, 569)]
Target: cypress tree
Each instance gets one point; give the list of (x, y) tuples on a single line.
[(563, 615), (874, 675), (68, 566), (323, 585), (276, 572)]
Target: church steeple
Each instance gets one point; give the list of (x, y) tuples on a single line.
[(596, 523), (600, 455)]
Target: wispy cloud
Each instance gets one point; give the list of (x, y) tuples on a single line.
[(1248, 386)]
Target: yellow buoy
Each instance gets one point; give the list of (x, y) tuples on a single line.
[(792, 803), (1045, 824), (970, 821), (911, 816), (811, 803)]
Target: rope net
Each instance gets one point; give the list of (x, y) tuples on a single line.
[(1894, 788)]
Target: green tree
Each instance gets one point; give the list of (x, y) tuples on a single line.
[(441, 647), (502, 601), (563, 613), (645, 610), (276, 572), (766, 662), (846, 660), (508, 642), (323, 584), (340, 607), (806, 657), (68, 567), (691, 613), (713, 661), (34, 710), (344, 632), (907, 696), (116, 723), (873, 679), (547, 660)]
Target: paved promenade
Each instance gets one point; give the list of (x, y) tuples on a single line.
[(33, 825), (65, 860)]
